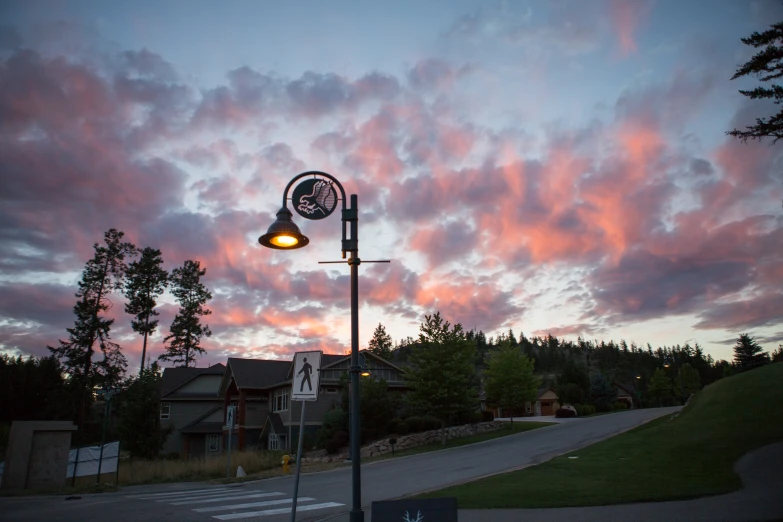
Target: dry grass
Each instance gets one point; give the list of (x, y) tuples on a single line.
[(205, 468)]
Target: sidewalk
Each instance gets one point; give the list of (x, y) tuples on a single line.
[(761, 498)]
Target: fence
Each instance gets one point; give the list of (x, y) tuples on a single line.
[(87, 461)]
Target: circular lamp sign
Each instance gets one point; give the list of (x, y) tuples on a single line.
[(315, 198)]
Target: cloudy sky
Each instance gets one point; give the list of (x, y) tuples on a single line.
[(541, 166)]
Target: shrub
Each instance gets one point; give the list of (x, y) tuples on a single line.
[(579, 410), (564, 413), (487, 416), (467, 417), (589, 409), (431, 423), (415, 424), (338, 441), (398, 427), (620, 405)]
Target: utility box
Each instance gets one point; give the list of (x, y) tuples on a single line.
[(37, 454)]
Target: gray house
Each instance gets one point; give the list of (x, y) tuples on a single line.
[(194, 402), (191, 405), (261, 390)]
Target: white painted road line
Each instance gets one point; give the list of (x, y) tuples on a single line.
[(268, 512), (221, 499), (250, 505), (210, 495), (177, 493)]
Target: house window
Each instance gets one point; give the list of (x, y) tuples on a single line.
[(274, 442), (214, 442), (281, 400), (528, 408), (330, 390), (165, 410)]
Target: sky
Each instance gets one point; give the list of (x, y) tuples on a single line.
[(546, 167)]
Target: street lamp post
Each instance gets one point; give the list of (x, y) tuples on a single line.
[(316, 198)]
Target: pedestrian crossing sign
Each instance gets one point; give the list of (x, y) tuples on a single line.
[(307, 366)]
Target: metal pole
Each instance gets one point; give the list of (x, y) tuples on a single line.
[(119, 448), (103, 437), (228, 457), (298, 462), (75, 464), (357, 515)]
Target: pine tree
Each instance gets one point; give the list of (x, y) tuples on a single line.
[(508, 380), (688, 381), (441, 376), (139, 415), (602, 394), (183, 343), (660, 386), (767, 64), (145, 281), (748, 354), (381, 343), (102, 274), (777, 355)]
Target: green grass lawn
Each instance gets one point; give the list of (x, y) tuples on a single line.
[(685, 455), (519, 427)]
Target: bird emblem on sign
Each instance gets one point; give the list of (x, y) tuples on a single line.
[(315, 198)]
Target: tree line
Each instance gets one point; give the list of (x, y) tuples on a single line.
[(63, 385)]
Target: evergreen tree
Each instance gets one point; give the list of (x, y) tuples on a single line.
[(688, 381), (602, 394), (381, 343), (102, 274), (139, 415), (573, 384), (508, 380), (777, 355), (766, 65), (660, 387), (145, 281), (748, 354), (183, 343), (441, 376)]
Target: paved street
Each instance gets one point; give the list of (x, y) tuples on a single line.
[(327, 493)]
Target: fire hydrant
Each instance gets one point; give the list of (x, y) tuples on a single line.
[(286, 460)]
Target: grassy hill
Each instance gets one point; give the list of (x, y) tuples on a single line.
[(686, 455)]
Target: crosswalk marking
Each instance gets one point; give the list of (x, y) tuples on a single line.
[(250, 505), (306, 507), (228, 498), (221, 499), (178, 493)]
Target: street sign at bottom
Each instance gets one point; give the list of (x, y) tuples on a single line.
[(423, 510)]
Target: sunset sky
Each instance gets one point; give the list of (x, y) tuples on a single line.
[(547, 167)]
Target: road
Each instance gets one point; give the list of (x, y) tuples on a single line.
[(328, 493)]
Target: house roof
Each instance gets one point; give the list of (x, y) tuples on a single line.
[(276, 423), (197, 426), (255, 373), (175, 378), (543, 390)]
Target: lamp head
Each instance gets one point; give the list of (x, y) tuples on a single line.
[(283, 234)]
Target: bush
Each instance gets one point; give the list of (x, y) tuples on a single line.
[(467, 417), (620, 405), (338, 441), (564, 413), (415, 424), (399, 427), (487, 416), (431, 423), (589, 409), (580, 410)]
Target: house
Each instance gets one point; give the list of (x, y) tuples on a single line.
[(625, 394), (261, 390), (546, 403), (191, 406)]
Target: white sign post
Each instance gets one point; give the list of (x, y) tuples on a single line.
[(230, 417), (307, 366)]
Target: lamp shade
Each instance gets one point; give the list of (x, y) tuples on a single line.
[(283, 234)]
